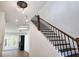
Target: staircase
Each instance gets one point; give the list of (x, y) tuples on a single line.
[(64, 43)]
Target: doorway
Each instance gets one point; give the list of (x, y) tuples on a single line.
[(21, 43)]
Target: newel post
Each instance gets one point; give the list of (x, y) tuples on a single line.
[(38, 20), (77, 41)]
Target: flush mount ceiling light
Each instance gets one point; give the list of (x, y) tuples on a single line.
[(17, 20), (22, 4)]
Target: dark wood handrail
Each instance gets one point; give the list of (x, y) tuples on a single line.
[(59, 30)]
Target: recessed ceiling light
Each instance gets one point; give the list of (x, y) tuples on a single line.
[(27, 20), (17, 20)]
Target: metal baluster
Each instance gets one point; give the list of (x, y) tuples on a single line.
[(54, 37), (49, 28), (62, 42), (65, 42), (53, 34), (74, 47), (59, 39), (70, 45)]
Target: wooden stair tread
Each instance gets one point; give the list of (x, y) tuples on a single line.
[(56, 40), (61, 44), (43, 27), (73, 55), (67, 49), (53, 36), (47, 31)]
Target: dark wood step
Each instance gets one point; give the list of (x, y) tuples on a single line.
[(67, 49), (52, 36), (61, 44), (34, 22), (47, 31), (73, 55), (57, 40), (43, 26)]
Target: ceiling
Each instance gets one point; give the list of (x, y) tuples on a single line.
[(14, 16)]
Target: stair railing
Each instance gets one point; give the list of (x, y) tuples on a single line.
[(63, 35)]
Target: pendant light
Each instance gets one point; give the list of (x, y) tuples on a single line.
[(22, 4)]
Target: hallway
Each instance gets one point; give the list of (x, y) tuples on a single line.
[(15, 53)]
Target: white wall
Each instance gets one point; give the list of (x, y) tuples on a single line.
[(64, 15), (2, 30), (39, 45)]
